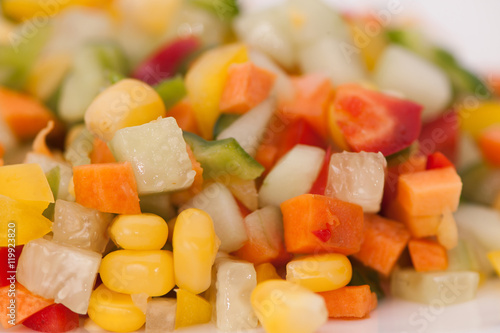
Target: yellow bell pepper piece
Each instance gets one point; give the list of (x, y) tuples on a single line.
[(283, 306), (321, 272), (137, 272), (26, 183), (478, 117), (127, 103), (114, 312), (266, 271), (20, 222), (26, 9), (191, 309), (205, 82), (139, 232), (195, 246)]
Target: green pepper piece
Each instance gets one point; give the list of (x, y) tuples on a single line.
[(223, 157), (171, 91), (223, 122)]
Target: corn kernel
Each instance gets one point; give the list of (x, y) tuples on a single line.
[(191, 309), (266, 271), (127, 103), (282, 306), (114, 311), (320, 272), (139, 232), (195, 246), (135, 272)]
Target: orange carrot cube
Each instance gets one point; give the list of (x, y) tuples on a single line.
[(427, 255)]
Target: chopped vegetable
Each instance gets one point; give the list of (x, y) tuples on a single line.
[(109, 187), (427, 255), (315, 223), (349, 302)]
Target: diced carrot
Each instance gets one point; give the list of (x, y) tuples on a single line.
[(183, 113), (109, 187), (374, 302), (25, 304), (430, 192), (258, 252), (415, 163), (419, 226), (101, 153), (489, 143), (247, 86), (313, 93), (2, 152), (383, 243), (427, 255), (25, 115), (437, 160), (349, 302), (180, 197), (316, 223)]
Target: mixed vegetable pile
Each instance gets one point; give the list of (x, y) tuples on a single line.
[(170, 163)]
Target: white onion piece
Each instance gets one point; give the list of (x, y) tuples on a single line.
[(419, 80)]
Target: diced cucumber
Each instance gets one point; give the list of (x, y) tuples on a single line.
[(223, 157), (53, 178), (89, 74), (447, 287), (171, 91), (223, 122), (462, 80), (157, 153), (462, 257)]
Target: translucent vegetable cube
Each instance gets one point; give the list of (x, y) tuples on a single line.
[(79, 226), (234, 282), (219, 203), (63, 273), (480, 223), (282, 306), (447, 288), (160, 315), (357, 178), (158, 155)]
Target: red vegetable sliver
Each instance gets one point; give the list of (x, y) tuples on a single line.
[(55, 318)]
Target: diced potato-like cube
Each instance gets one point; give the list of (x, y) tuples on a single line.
[(63, 273), (357, 178), (160, 315), (79, 226), (158, 155)]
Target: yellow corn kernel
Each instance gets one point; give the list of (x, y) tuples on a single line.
[(195, 246), (266, 271), (494, 257), (205, 82), (127, 103), (475, 118), (26, 183), (136, 272), (321, 272), (139, 232), (114, 312), (282, 306), (191, 309)]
